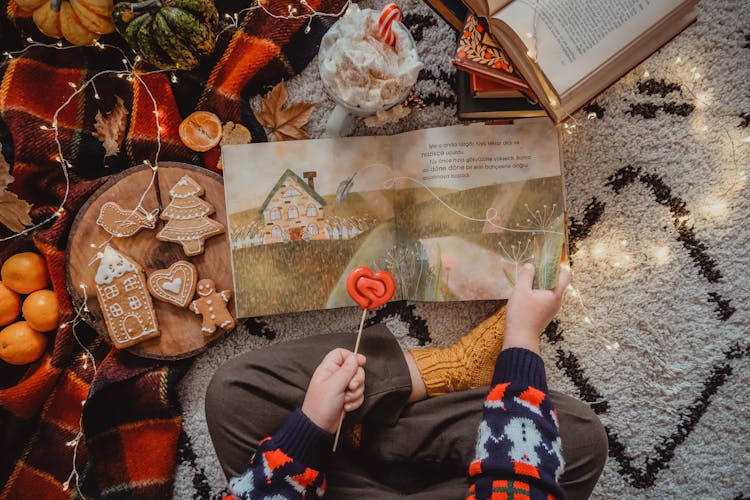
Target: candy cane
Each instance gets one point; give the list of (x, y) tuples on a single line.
[(390, 13)]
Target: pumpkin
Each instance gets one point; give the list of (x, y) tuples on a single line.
[(170, 34), (78, 21)]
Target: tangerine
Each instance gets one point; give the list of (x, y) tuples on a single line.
[(10, 305), (41, 310), (20, 344), (201, 131), (25, 272)]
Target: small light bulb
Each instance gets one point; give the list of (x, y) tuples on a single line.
[(73, 85), (529, 35), (646, 74), (588, 320), (174, 78)]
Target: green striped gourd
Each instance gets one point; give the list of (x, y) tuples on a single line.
[(170, 34)]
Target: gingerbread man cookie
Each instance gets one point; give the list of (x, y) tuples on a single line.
[(212, 305)]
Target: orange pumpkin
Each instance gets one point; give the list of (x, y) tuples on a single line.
[(78, 21)]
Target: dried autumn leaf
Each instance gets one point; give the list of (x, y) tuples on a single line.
[(14, 212), (285, 124), (110, 128)]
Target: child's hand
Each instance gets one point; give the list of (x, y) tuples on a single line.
[(337, 384), (530, 311)]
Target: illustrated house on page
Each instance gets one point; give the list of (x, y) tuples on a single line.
[(293, 211), (124, 299)]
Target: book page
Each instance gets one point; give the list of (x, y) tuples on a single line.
[(571, 38), (483, 200), (302, 215)]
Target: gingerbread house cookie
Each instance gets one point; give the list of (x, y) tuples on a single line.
[(124, 300)]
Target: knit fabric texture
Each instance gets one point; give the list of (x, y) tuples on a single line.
[(287, 465), (131, 420), (466, 364), (518, 450)]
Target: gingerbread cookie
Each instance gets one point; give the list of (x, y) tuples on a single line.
[(175, 285), (212, 305), (188, 217), (124, 300), (122, 223)]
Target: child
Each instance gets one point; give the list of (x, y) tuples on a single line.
[(415, 423)]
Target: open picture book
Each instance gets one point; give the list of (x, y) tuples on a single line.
[(571, 50), (451, 212)]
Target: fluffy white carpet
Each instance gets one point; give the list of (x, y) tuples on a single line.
[(654, 334)]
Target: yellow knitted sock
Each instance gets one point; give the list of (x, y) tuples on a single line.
[(466, 364)]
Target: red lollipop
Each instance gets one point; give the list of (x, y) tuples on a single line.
[(369, 290)]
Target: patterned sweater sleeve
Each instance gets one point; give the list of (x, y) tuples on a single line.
[(287, 465), (518, 450)]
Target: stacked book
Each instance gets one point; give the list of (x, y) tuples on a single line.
[(487, 84), (521, 58)]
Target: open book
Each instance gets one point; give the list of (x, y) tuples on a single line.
[(569, 51), (451, 212)]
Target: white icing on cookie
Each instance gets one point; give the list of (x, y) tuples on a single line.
[(113, 265)]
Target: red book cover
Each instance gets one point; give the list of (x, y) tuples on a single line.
[(485, 88), (479, 53)]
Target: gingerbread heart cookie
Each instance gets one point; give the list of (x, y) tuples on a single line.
[(175, 285)]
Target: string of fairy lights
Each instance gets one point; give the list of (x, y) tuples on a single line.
[(660, 253), (132, 73)]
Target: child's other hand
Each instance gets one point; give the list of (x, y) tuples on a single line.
[(337, 384), (530, 311)]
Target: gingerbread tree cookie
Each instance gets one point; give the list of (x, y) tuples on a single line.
[(212, 305), (124, 299), (188, 217)]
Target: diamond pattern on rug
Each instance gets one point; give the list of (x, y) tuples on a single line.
[(647, 163)]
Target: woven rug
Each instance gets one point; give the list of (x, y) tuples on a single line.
[(654, 334)]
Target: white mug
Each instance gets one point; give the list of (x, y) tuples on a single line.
[(341, 117)]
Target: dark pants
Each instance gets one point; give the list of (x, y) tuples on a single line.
[(421, 449)]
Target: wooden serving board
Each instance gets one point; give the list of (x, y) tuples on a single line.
[(180, 328)]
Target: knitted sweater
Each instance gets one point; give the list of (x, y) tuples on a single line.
[(518, 452)]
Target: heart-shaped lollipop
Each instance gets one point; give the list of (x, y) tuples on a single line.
[(370, 290)]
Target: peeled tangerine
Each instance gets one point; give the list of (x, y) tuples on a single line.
[(20, 344), (25, 273)]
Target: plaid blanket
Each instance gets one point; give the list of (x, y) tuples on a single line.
[(131, 419)]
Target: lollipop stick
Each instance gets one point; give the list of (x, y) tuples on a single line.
[(356, 349), (359, 335)]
